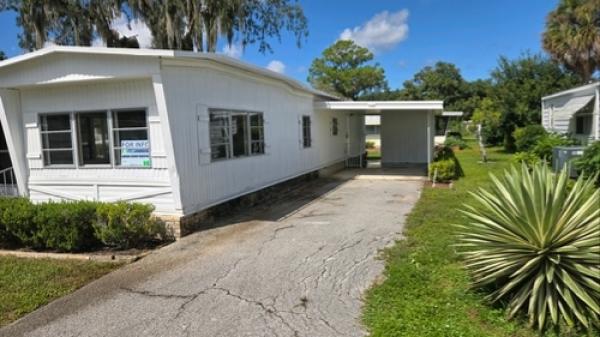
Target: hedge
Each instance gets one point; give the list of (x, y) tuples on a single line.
[(78, 225)]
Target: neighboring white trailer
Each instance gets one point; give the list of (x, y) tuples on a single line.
[(575, 112)]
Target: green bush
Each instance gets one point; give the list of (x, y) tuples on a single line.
[(454, 142), (369, 145), (543, 147), (528, 158), (534, 241), (589, 163), (446, 170), (18, 219), (124, 225), (6, 238), (66, 226), (527, 137)]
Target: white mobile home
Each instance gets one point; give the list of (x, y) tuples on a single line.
[(575, 112), (181, 130)]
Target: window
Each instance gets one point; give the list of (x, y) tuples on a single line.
[(130, 135), (236, 134), (334, 126), (306, 139), (94, 147), (257, 134), (57, 143), (108, 138), (583, 125)]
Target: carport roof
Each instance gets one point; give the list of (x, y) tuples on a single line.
[(375, 106)]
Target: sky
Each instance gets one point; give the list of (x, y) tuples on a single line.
[(404, 35)]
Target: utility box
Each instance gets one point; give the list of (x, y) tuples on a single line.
[(564, 155)]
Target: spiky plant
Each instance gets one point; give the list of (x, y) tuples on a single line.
[(534, 238)]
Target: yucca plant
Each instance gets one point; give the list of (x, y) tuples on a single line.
[(534, 239)]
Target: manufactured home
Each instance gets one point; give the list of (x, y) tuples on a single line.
[(180, 130), (575, 112)]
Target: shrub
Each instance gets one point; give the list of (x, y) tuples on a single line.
[(535, 242), (66, 226), (124, 225), (18, 219), (6, 238), (446, 170), (455, 142), (527, 137), (589, 163), (370, 145), (543, 148), (454, 134), (528, 158)]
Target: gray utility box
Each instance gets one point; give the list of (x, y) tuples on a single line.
[(564, 155)]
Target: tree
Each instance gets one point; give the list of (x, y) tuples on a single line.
[(35, 17), (343, 69), (572, 36), (443, 81), (488, 114), (198, 24), (518, 86), (2, 56)]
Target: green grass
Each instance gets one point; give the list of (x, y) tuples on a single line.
[(27, 284), (373, 154), (426, 291)]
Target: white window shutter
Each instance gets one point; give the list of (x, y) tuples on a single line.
[(203, 127)]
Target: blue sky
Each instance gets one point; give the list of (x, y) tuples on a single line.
[(405, 35)]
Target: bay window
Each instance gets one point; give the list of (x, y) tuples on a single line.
[(235, 134)]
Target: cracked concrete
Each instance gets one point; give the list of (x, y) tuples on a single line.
[(297, 268)]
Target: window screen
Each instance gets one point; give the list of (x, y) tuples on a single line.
[(236, 134), (57, 144), (130, 138), (94, 147)]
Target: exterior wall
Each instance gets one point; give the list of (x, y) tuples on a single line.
[(191, 90), (11, 121), (104, 184), (405, 139), (566, 124)]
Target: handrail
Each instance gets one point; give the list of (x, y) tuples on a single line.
[(7, 182)]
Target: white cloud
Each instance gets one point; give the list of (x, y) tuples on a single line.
[(384, 31), (233, 50), (131, 28), (276, 66)]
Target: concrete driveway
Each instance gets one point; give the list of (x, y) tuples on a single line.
[(268, 272)]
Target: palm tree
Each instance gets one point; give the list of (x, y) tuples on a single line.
[(572, 36)]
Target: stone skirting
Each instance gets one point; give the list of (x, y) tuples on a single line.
[(205, 219)]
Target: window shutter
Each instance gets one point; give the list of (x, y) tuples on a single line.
[(265, 140), (203, 133)]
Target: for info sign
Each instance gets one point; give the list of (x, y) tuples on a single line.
[(135, 153)]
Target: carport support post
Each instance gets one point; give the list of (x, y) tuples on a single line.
[(429, 117)]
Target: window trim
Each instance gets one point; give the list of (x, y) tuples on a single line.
[(75, 138), (236, 112)]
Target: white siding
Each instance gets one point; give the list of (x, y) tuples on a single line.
[(62, 67), (191, 91), (105, 184), (404, 137)]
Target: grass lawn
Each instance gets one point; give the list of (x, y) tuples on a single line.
[(427, 292), (373, 154), (27, 284)]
